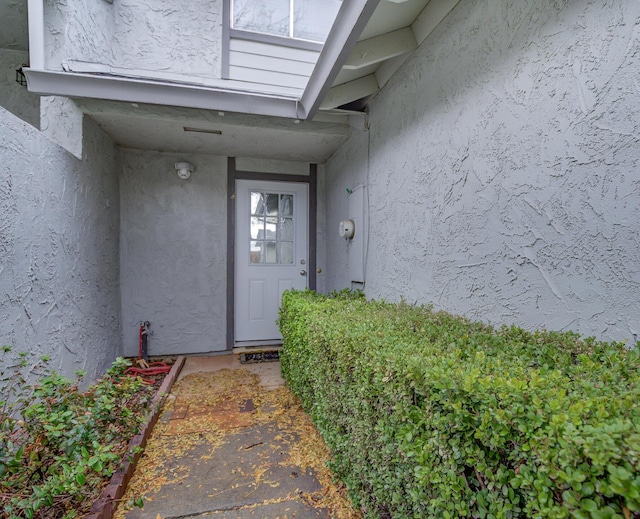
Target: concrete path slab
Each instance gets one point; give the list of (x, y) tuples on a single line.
[(283, 510), (269, 372), (226, 447)]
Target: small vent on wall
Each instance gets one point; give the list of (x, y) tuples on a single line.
[(202, 130)]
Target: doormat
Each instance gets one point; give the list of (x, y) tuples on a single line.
[(259, 356)]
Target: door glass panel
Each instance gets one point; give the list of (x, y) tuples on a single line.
[(257, 228), (257, 203), (286, 229), (286, 205), (272, 205), (272, 229), (255, 252), (271, 252), (286, 253), (271, 237)]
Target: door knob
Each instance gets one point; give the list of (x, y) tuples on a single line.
[(303, 272)]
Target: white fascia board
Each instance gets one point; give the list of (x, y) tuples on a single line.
[(431, 16), (155, 92), (387, 69), (351, 91), (381, 48), (35, 9), (351, 19)]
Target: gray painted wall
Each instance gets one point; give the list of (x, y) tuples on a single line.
[(503, 169), (14, 25), (180, 37), (173, 252), (81, 30), (15, 98), (169, 38), (59, 228), (173, 248)]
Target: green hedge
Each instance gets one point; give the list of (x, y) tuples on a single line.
[(430, 415)]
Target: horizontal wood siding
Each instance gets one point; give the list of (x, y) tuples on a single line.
[(268, 64)]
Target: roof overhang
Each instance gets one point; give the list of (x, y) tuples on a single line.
[(350, 21), (114, 88)]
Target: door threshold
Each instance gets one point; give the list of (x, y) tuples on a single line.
[(254, 346)]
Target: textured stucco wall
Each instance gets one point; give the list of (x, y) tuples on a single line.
[(503, 169), (173, 252), (346, 169), (174, 40), (80, 30), (61, 121), (15, 98), (180, 37), (59, 266)]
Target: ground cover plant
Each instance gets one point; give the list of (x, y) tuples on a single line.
[(431, 415), (60, 445)]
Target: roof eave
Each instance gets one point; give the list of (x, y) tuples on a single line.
[(114, 88), (350, 21)]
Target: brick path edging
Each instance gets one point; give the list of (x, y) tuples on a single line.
[(104, 507)]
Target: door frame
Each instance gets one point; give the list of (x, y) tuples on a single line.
[(232, 175)]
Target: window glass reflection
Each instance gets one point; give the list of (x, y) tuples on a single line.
[(271, 236), (312, 19), (257, 203), (265, 16)]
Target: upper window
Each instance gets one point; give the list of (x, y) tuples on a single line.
[(309, 20)]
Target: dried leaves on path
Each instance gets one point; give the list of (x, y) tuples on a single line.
[(206, 409)]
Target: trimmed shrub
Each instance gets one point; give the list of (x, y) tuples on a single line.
[(428, 414)]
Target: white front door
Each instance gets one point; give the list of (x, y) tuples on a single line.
[(271, 253)]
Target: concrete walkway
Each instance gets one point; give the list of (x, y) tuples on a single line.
[(233, 443)]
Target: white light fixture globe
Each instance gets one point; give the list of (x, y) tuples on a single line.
[(184, 170)]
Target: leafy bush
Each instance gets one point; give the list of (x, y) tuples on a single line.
[(430, 415), (58, 445)]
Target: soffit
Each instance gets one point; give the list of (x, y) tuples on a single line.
[(161, 128), (393, 32)]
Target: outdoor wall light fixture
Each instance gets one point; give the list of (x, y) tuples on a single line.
[(184, 170), (20, 77)]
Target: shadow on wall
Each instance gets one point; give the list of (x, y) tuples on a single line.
[(14, 97)]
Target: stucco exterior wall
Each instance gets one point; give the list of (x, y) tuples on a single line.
[(79, 30), (173, 252), (183, 37), (170, 40), (59, 267), (502, 169), (346, 169), (14, 97)]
